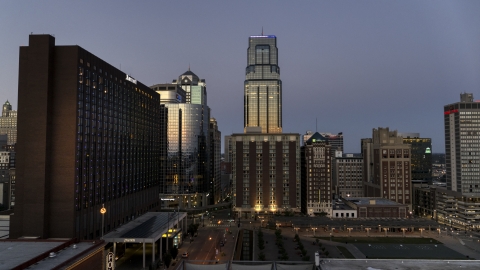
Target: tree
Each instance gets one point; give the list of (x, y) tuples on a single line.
[(306, 258), (316, 240), (167, 259), (192, 229), (174, 252)]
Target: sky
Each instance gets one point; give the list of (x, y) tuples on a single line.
[(346, 66)]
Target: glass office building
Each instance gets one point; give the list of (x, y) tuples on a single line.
[(263, 87), (187, 149)]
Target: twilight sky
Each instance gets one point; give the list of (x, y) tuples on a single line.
[(353, 65)]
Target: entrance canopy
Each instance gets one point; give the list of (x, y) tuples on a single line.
[(147, 228)]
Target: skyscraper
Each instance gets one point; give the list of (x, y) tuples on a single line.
[(189, 166), (8, 123), (263, 87), (462, 148), (421, 156)]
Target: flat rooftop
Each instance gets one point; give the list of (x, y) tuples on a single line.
[(16, 252), (147, 228), (371, 201)]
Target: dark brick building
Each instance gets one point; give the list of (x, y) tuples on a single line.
[(88, 135)]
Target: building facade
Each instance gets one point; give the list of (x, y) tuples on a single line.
[(348, 180), (462, 145), (8, 123), (195, 88), (263, 87), (421, 156), (187, 165), (266, 173), (190, 168), (316, 176), (387, 167), (89, 136), (215, 184)]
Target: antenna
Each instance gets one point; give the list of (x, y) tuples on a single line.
[(316, 124), (262, 30)]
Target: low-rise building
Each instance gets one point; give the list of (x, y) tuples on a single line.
[(376, 207)]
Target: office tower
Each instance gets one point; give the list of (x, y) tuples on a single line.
[(89, 136), (215, 137), (335, 141), (462, 131), (387, 167), (187, 149), (348, 171), (263, 87), (266, 173), (421, 156), (195, 88), (8, 123), (189, 165), (316, 176)]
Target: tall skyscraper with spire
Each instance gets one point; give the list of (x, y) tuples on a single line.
[(263, 87)]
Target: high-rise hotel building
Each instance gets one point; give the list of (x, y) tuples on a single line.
[(263, 87), (462, 145), (89, 136)]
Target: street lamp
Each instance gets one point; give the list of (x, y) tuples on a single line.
[(103, 210)]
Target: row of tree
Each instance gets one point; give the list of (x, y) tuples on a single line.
[(305, 257)]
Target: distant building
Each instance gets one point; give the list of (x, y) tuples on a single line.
[(226, 174), (348, 181), (316, 176), (462, 149), (8, 123), (421, 156), (387, 167), (215, 157), (367, 207), (195, 88), (334, 140), (266, 173)]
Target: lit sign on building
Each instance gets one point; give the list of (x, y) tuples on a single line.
[(131, 79), (428, 151), (179, 98)]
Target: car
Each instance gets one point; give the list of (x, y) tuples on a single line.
[(221, 243), (185, 255)]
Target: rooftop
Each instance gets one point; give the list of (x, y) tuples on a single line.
[(370, 201), (36, 254)]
